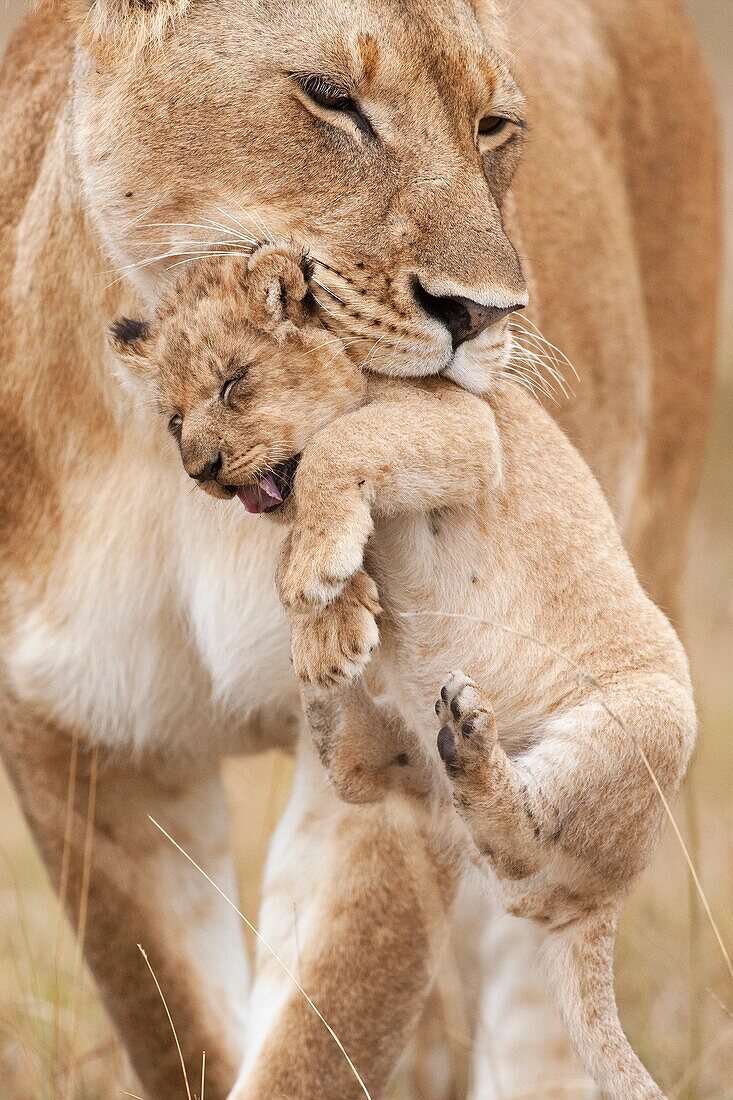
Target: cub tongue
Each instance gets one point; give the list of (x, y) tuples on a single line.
[(260, 497)]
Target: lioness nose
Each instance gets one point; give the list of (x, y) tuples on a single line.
[(463, 317), (204, 471)]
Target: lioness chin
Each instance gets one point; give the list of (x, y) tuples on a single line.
[(492, 547)]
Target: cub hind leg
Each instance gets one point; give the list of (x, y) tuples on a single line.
[(571, 892), (366, 751), (486, 789)]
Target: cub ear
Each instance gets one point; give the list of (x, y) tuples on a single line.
[(278, 290), (129, 338)]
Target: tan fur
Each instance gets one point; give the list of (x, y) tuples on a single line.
[(139, 118), (586, 675)]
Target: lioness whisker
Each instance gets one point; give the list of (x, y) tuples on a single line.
[(549, 344), (126, 269), (511, 377), (528, 364), (204, 256), (258, 222), (192, 242), (190, 225), (262, 222), (548, 372), (370, 355), (220, 226), (248, 235), (321, 305), (329, 292), (537, 349)]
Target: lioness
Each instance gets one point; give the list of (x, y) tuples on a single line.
[(141, 637), (483, 510)]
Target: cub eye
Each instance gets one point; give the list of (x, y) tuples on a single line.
[(226, 389), (174, 424), (330, 97), (491, 125)]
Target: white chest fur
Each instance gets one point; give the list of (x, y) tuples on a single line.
[(159, 624)]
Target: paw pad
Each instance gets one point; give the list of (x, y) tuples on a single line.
[(447, 746)]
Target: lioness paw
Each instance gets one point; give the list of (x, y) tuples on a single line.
[(468, 727), (334, 645)]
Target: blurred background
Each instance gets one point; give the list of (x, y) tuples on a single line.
[(675, 994)]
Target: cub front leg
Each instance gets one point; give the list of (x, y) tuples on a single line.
[(333, 644), (326, 545), (486, 790), (366, 464)]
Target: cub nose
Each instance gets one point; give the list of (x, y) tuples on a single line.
[(463, 317), (202, 470)]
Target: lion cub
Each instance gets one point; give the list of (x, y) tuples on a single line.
[(491, 546)]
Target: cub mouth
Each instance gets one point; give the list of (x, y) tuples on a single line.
[(271, 489)]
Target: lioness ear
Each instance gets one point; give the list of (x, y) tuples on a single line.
[(278, 290), (124, 28)]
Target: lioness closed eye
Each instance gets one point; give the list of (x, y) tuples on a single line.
[(491, 546)]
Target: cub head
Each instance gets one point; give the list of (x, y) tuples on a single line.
[(241, 371), (384, 135)]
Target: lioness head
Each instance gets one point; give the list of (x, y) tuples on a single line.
[(385, 135), (241, 371)]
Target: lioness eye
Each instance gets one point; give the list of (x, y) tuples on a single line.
[(492, 124), (331, 97), (174, 424), (326, 95)]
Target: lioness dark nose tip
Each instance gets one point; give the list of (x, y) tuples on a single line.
[(464, 318), (209, 471)]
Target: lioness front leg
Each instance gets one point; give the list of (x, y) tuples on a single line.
[(140, 890), (357, 904)]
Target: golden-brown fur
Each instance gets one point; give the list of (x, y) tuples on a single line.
[(618, 234), (481, 510)]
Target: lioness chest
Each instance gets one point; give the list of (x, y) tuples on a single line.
[(158, 625)]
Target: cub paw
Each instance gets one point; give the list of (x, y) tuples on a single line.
[(334, 645), (468, 727), (323, 554)]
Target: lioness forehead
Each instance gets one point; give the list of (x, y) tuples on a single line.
[(405, 42)]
